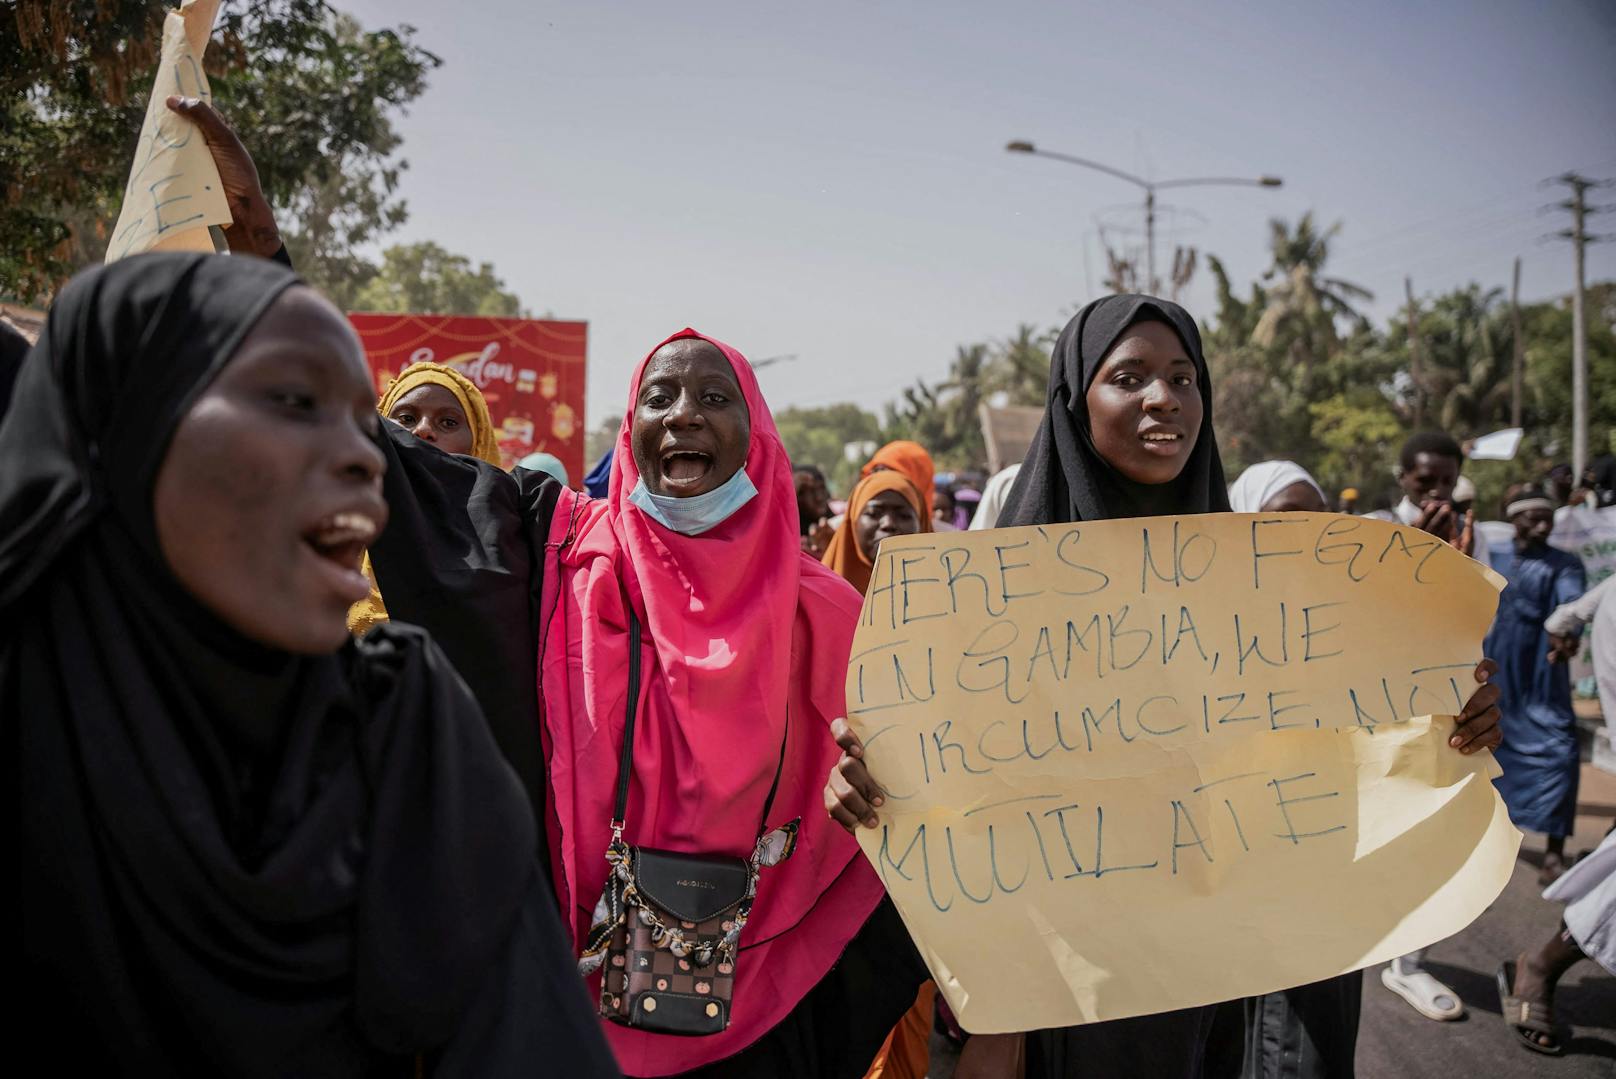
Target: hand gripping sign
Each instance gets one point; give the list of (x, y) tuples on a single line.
[(1147, 764)]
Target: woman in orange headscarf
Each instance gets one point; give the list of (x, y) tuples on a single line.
[(911, 459), (884, 503)]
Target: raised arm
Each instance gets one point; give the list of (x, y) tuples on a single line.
[(1569, 618), (460, 558), (252, 229)]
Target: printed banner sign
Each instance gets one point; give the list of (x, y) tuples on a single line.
[(531, 372), (1141, 765)]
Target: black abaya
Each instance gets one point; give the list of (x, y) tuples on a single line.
[(232, 860), (1063, 479), (459, 557), (13, 347)]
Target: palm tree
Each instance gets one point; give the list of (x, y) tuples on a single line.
[(1302, 306), (944, 417), (1022, 365), (1467, 351)]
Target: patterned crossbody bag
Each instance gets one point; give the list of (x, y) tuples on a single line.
[(666, 932)]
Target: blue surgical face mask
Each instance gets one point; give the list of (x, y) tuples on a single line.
[(694, 515)]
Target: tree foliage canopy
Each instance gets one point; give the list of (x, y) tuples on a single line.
[(1301, 374), (425, 279), (312, 93)]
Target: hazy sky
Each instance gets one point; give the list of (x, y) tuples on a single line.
[(829, 179)]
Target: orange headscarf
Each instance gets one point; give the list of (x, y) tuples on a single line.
[(843, 554), (913, 461)]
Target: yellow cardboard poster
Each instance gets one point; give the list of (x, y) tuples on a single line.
[(173, 193), (1148, 764)]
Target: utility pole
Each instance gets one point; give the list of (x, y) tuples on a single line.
[(1579, 338), (1578, 205), (1519, 346), (1414, 355), (1150, 241)]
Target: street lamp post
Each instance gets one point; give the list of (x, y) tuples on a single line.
[(1150, 188)]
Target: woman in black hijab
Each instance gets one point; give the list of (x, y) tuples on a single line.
[(243, 843), (1127, 432), (1172, 465)]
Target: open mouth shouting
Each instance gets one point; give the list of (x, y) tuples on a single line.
[(338, 542), (685, 471)]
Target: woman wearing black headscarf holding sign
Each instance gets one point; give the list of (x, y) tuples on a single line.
[(1127, 432), (242, 843)]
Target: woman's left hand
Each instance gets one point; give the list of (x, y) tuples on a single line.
[(1478, 723), (252, 229)]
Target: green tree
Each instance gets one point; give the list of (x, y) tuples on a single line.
[(1466, 351), (1020, 365), (1358, 435), (1235, 319), (1276, 354), (1259, 413), (946, 417), (1546, 329), (312, 95), (1302, 307), (426, 279), (820, 437)]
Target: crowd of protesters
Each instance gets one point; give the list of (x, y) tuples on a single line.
[(338, 750)]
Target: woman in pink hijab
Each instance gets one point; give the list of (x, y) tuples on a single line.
[(743, 659), (745, 644)]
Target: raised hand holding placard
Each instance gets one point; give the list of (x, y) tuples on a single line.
[(174, 192)]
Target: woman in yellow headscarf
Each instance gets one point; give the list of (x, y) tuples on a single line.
[(436, 404)]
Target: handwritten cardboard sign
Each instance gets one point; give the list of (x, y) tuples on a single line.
[(1147, 764), (173, 193)]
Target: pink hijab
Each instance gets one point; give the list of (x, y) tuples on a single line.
[(739, 626)]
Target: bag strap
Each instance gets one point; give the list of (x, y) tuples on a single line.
[(768, 803), (625, 759)]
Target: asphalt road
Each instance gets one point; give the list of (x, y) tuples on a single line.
[(1395, 1040)]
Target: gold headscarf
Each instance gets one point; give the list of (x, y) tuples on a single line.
[(370, 610), (483, 443)]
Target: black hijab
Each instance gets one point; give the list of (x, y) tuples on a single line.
[(228, 859), (13, 347), (1064, 478)]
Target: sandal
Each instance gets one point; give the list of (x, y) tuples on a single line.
[(1527, 1018), (1423, 993)]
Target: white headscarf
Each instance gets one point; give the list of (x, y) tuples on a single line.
[(993, 496), (1259, 483)]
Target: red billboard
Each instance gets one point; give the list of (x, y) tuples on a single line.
[(531, 372)]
